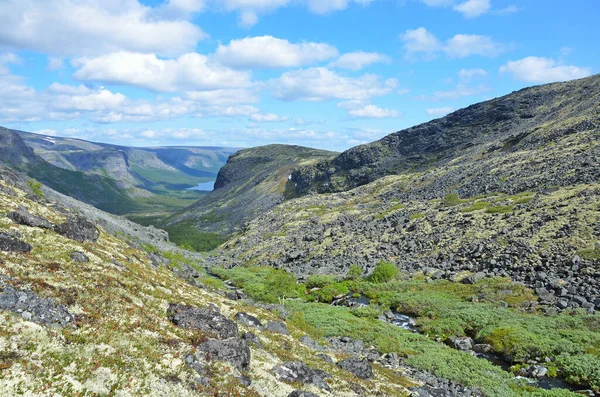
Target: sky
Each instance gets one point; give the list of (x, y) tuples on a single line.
[(329, 74)]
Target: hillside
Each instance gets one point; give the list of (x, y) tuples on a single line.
[(145, 183), (251, 182)]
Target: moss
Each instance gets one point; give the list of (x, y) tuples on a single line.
[(476, 206), (452, 200), (500, 209)]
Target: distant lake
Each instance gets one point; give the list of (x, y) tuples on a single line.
[(204, 186)]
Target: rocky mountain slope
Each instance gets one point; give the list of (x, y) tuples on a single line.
[(516, 200), (149, 180), (251, 182), (469, 140)]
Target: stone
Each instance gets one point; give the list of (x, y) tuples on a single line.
[(482, 348), (233, 350), (301, 393), (357, 366), (277, 327), (248, 320), (31, 307), (297, 371), (539, 371), (473, 278), (462, 343), (23, 217), (252, 339), (203, 319), (79, 257), (9, 243), (79, 229)]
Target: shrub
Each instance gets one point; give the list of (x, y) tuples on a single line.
[(581, 369), (500, 209), (366, 312), (384, 272), (36, 187), (452, 199), (355, 272), (478, 205), (319, 281)]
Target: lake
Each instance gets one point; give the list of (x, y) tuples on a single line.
[(204, 186)]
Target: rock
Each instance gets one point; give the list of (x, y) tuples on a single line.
[(244, 380), (325, 358), (482, 348), (233, 350), (300, 393), (252, 339), (462, 343), (473, 278), (539, 371), (297, 371), (277, 327), (11, 244), (79, 229), (248, 320), (308, 341), (23, 217), (204, 319), (33, 308), (358, 366), (79, 257)]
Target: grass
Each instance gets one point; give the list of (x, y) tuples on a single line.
[(443, 309), (476, 206), (186, 236), (500, 209)]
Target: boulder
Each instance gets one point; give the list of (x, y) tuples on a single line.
[(233, 350), (79, 257), (79, 229), (248, 320), (13, 244), (203, 319), (297, 371), (33, 308), (463, 343), (252, 339), (473, 278), (358, 366), (23, 217), (277, 327), (301, 393)]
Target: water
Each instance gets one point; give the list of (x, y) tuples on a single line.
[(404, 321), (204, 186)]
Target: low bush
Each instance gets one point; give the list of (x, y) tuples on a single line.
[(384, 272)]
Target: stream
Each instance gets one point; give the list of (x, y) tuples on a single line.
[(407, 322)]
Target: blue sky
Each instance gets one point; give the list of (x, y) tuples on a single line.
[(322, 73)]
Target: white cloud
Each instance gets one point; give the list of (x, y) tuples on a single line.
[(466, 75), (271, 52), (473, 8), (464, 45), (318, 84), (77, 27), (55, 63), (372, 111), (267, 117), (507, 10), (359, 60), (543, 70), (460, 91), (248, 19), (6, 59), (439, 112), (188, 72), (421, 41), (327, 6)]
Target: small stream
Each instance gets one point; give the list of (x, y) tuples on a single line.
[(408, 323)]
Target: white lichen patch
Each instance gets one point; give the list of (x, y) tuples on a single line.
[(101, 381)]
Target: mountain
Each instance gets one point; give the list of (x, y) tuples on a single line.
[(252, 182), (147, 181), (470, 140)]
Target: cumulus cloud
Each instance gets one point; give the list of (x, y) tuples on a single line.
[(86, 27), (327, 6), (543, 70), (190, 71), (473, 8), (359, 60), (271, 52), (267, 118), (318, 84), (372, 111), (6, 59), (466, 75), (422, 42), (439, 112)]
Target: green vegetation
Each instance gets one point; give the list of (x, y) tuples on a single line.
[(500, 209), (452, 200), (36, 187), (355, 272), (383, 272), (392, 209), (443, 309), (417, 216), (476, 206), (188, 237)]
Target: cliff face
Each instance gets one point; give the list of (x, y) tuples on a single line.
[(521, 119)]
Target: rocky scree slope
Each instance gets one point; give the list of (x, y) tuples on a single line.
[(525, 208), (83, 312), (251, 182)]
